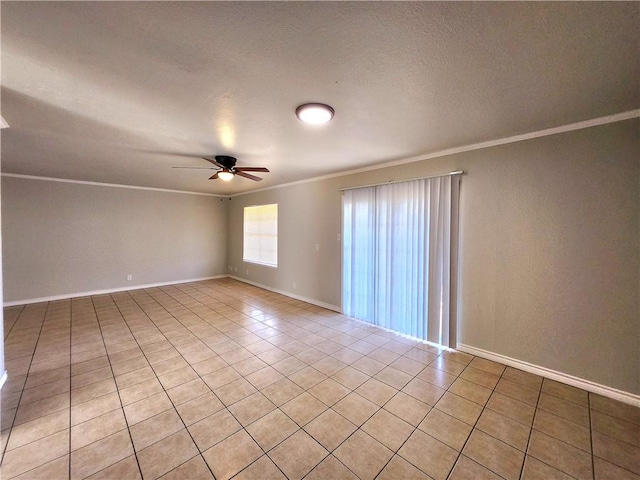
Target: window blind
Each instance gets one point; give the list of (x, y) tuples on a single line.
[(261, 235), (399, 256)]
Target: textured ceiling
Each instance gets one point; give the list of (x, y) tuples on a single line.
[(121, 92)]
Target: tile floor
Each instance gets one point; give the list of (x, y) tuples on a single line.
[(221, 379)]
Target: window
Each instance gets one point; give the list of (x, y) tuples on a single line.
[(261, 235)]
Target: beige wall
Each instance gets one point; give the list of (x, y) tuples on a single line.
[(308, 214), (1, 301), (549, 245), (549, 242), (64, 238)]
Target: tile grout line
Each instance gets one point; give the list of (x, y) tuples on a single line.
[(164, 389), (132, 332), (13, 422), (330, 407), (265, 453), (396, 452), (576, 424), (425, 365), (611, 437), (226, 407), (157, 378), (135, 453), (475, 424), (380, 407), (533, 422), (593, 460), (433, 407), (70, 377), (353, 391), (417, 427), (15, 322), (537, 409), (300, 428), (35, 419), (308, 315)]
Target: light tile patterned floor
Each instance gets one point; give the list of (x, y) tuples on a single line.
[(223, 379)]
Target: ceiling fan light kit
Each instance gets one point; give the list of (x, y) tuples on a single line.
[(315, 113), (225, 175)]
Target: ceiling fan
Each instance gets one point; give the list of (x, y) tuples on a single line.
[(227, 168)]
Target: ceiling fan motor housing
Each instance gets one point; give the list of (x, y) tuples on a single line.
[(227, 161)]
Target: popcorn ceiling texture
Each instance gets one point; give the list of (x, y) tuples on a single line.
[(110, 91)]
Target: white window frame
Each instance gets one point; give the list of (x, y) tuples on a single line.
[(267, 231)]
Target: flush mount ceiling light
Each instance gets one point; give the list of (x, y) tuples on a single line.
[(225, 175), (314, 113)]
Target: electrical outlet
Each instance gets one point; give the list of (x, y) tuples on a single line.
[(247, 271), (129, 277), (294, 285), (338, 237), (317, 247), (236, 269)]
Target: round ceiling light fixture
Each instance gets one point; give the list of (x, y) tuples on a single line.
[(225, 175), (314, 113)]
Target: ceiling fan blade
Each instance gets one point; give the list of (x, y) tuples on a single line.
[(214, 161), (246, 175), (251, 169), (214, 176), (199, 168)]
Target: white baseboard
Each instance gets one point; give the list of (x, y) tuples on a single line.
[(107, 291), (312, 301), (3, 379), (621, 395)]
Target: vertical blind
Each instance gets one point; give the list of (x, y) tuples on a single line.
[(400, 244), (260, 237)]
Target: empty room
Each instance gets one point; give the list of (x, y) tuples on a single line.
[(320, 240)]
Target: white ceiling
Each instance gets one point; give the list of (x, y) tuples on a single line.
[(121, 92)]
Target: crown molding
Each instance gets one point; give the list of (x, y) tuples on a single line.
[(111, 185), (594, 122)]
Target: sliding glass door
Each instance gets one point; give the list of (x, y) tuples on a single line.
[(399, 244)]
